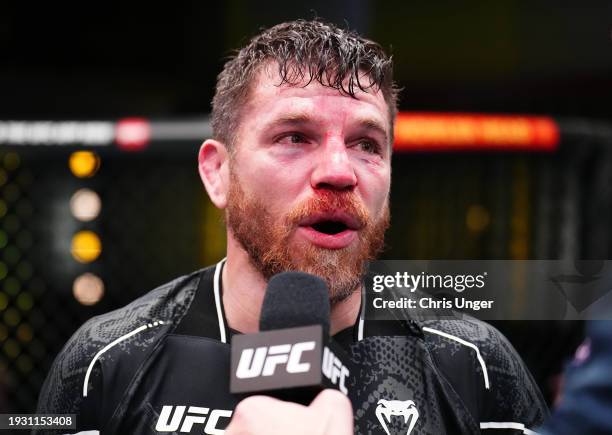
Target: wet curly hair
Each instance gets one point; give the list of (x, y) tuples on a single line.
[(303, 50)]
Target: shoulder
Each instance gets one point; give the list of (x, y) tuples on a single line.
[(477, 340), (468, 333), (132, 327), (161, 306), (492, 369), (465, 350)]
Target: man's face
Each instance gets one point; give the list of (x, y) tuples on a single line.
[(310, 178)]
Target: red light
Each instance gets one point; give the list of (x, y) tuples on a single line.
[(133, 134), (461, 132)]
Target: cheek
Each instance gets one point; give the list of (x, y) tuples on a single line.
[(275, 183), (374, 185)]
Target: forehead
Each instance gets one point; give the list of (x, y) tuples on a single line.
[(266, 99)]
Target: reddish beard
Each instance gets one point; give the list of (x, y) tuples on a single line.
[(267, 239)]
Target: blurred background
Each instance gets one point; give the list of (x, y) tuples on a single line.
[(103, 108)]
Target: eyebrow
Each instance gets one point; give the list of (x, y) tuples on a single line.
[(300, 118), (371, 124), (291, 119)]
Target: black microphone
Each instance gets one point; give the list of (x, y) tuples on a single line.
[(292, 357), (295, 299)]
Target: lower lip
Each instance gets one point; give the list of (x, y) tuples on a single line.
[(328, 241)]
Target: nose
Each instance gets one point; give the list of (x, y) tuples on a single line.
[(334, 169)]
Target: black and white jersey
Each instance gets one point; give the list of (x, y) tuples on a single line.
[(160, 365)]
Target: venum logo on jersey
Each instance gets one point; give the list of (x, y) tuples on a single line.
[(172, 418), (402, 408)]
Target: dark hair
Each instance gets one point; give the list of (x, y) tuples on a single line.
[(310, 50)]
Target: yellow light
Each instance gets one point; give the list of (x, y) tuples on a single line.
[(477, 218), (25, 302), (85, 205), (84, 164), (24, 332), (86, 246), (88, 289)]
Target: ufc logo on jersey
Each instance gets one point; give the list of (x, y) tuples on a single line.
[(171, 418), (262, 361), (334, 370)]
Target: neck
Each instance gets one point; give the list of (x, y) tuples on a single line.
[(244, 288)]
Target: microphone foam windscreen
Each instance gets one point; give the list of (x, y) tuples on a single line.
[(295, 299)]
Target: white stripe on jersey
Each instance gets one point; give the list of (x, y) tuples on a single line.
[(111, 344), (507, 425), (217, 291), (468, 344)]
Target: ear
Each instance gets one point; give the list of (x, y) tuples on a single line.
[(213, 165)]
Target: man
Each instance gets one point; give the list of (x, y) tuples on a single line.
[(300, 161)]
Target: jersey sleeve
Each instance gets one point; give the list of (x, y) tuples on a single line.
[(488, 374), (513, 403), (63, 389)]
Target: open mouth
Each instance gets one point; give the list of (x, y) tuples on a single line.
[(331, 230), (331, 223), (330, 227)]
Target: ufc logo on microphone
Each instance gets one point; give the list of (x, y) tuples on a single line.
[(262, 361)]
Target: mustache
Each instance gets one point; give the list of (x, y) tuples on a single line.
[(326, 201)]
